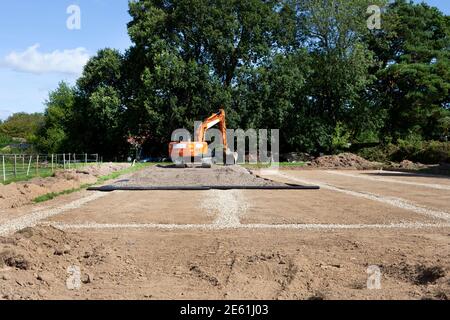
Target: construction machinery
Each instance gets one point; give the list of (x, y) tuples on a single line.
[(187, 152)]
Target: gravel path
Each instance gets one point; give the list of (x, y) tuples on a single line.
[(34, 218), (159, 176)]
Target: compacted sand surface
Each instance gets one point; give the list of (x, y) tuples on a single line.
[(235, 244)]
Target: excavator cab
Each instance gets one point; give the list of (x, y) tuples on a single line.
[(184, 152)]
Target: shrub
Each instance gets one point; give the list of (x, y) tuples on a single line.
[(408, 148), (381, 153), (434, 152), (341, 138), (426, 152)]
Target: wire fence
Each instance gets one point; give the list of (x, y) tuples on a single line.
[(23, 166)]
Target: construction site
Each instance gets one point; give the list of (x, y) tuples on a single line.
[(159, 233), (245, 154)]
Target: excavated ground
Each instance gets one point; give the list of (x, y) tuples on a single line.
[(236, 244)]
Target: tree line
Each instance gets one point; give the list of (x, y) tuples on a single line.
[(311, 68)]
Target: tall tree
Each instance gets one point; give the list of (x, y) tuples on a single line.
[(333, 32), (54, 135), (100, 108), (413, 51)]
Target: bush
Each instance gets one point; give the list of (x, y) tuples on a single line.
[(426, 152), (434, 152), (381, 153), (4, 140), (341, 138), (408, 148)]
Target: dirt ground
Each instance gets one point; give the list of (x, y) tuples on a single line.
[(236, 244), (17, 194), (344, 160)]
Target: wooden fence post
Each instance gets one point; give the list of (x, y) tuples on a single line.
[(4, 169), (64, 161), (52, 163), (37, 164), (15, 166), (29, 166), (85, 158), (69, 161)]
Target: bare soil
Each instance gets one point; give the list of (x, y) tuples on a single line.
[(17, 194), (343, 161), (223, 265), (155, 245)]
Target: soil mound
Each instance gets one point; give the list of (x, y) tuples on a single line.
[(343, 161), (17, 194), (35, 263)]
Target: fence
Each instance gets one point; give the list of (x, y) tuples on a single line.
[(21, 166)]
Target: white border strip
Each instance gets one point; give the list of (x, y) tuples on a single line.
[(381, 179), (109, 226), (395, 202), (32, 219)]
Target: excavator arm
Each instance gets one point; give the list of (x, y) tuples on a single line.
[(186, 151), (218, 118)]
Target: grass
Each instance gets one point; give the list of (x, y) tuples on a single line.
[(42, 172), (100, 180), (52, 195), (24, 177)]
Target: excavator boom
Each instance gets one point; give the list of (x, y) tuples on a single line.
[(218, 118), (188, 151)]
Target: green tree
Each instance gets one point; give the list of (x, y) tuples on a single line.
[(98, 116), (191, 55), (311, 68), (22, 125), (414, 69), (333, 33), (54, 135)]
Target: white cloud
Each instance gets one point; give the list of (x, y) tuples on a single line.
[(31, 60)]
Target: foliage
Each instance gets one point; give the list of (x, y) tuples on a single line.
[(310, 68), (53, 135), (341, 138), (427, 152), (21, 126), (414, 69)]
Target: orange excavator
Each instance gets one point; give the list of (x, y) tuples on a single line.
[(183, 152)]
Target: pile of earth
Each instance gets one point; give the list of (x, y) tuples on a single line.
[(408, 165), (17, 194), (345, 161), (216, 176), (41, 262)]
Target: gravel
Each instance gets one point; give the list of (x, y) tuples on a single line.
[(160, 176), (33, 219)]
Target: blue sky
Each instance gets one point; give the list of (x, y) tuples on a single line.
[(37, 50), (24, 24)]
